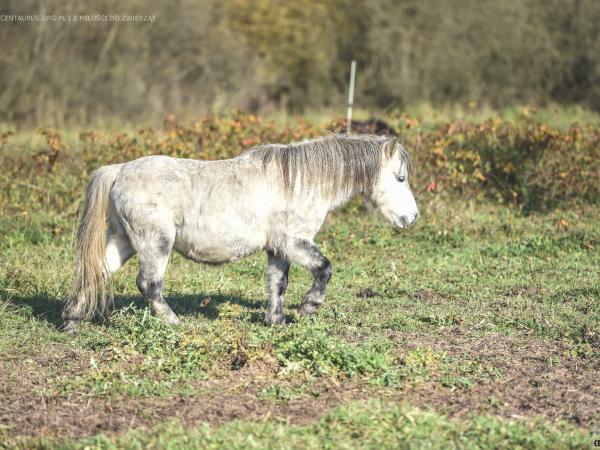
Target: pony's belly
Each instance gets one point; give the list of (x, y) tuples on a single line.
[(218, 233), (215, 249)]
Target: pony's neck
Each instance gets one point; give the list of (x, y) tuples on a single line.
[(341, 200)]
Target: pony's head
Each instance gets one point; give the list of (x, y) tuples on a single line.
[(391, 194), (341, 167)]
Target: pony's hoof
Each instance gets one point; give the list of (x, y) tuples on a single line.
[(70, 326), (172, 320), (162, 311), (275, 319), (306, 309)]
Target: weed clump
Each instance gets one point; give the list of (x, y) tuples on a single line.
[(310, 347)]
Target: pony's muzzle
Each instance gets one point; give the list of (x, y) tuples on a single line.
[(405, 221)]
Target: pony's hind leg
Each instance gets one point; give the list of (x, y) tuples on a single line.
[(153, 264), (308, 255), (277, 280), (117, 251)]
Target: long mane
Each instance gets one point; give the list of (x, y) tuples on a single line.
[(338, 165)]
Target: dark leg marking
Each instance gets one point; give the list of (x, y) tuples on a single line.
[(277, 281), (316, 295), (308, 255), (152, 293), (154, 257), (151, 290)]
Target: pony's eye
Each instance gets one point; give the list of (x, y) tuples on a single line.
[(401, 179)]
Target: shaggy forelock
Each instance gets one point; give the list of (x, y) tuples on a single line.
[(338, 165)]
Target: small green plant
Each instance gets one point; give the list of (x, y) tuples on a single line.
[(278, 393), (308, 346), (455, 382)]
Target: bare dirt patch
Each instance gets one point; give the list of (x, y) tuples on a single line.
[(29, 407), (537, 377)]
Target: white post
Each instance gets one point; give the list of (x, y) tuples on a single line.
[(350, 97)]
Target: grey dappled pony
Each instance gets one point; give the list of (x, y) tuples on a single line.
[(272, 197)]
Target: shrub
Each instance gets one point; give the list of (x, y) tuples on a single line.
[(312, 348), (523, 163)]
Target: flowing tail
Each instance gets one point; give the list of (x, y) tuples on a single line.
[(88, 295)]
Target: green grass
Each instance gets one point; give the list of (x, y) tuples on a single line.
[(478, 328), (358, 425), (479, 268), (428, 117), (557, 116)]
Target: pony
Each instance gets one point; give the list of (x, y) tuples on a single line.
[(273, 197)]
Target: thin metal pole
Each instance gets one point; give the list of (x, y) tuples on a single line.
[(350, 97)]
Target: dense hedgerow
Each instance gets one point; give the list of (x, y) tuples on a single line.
[(524, 163)]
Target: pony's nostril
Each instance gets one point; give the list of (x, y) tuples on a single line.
[(416, 217)]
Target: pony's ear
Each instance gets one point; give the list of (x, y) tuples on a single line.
[(389, 147), (393, 145), (404, 155)]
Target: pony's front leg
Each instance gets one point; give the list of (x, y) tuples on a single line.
[(277, 280), (308, 255)]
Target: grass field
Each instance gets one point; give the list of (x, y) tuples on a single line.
[(478, 328)]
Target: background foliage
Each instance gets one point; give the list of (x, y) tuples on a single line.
[(460, 332), (523, 163), (265, 55)]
